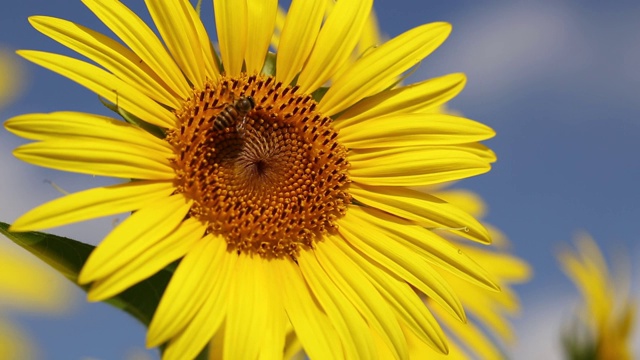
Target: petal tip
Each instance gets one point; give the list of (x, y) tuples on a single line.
[(85, 277), (93, 295), (20, 225)]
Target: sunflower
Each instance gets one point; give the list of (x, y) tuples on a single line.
[(281, 181), (603, 327)]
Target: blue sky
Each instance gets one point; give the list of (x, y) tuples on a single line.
[(558, 80)]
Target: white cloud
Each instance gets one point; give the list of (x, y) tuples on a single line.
[(540, 327), (506, 48)]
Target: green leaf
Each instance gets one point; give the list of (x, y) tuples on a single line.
[(68, 256), (578, 343), (269, 67), (319, 93)]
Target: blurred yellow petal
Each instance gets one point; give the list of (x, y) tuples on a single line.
[(607, 312), (13, 343), (465, 200), (10, 86)]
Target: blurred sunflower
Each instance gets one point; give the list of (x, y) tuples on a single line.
[(288, 202), (604, 324), (25, 285), (11, 74)]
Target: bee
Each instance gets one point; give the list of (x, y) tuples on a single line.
[(233, 111)]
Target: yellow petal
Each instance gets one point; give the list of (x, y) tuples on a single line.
[(390, 254), (349, 324), (181, 37), (379, 69), (248, 310), (274, 344), (133, 236), (413, 130), (110, 54), (311, 324), (298, 36), (402, 298), (198, 284), (209, 56), (474, 148), (231, 23), (407, 99), (208, 322), (93, 203), (142, 40), (414, 166), (262, 18), (106, 85), (336, 41), (155, 258), (347, 275), (432, 248), (98, 157), (423, 209), (83, 126)]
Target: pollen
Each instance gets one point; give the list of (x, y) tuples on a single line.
[(263, 167)]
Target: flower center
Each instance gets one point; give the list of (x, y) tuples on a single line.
[(263, 167)]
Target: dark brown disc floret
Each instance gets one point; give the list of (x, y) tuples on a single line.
[(262, 166)]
